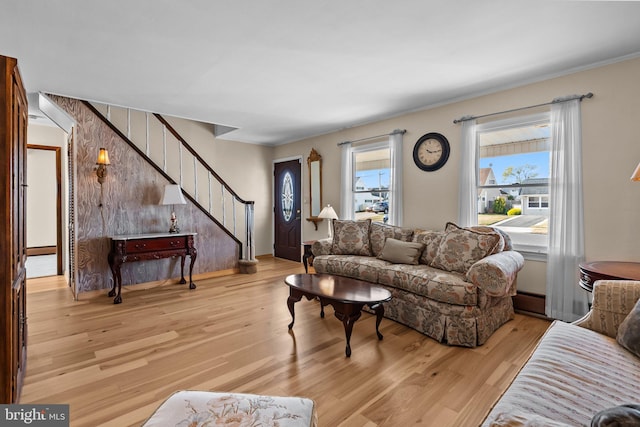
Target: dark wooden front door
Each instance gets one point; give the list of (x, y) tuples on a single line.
[(286, 216)]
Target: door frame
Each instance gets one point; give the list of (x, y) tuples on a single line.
[(59, 213), (273, 200)]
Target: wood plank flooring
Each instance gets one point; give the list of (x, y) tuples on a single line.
[(114, 364)]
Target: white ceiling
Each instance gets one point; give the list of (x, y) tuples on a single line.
[(283, 70)]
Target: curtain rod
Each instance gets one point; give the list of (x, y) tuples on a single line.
[(555, 101), (394, 132)]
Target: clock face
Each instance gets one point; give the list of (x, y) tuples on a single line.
[(431, 152)]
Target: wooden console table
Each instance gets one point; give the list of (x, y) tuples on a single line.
[(143, 247), (607, 270)]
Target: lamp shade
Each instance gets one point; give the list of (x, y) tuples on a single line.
[(636, 174), (103, 157), (172, 195), (328, 213)]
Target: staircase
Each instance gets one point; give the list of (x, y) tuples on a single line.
[(161, 145)]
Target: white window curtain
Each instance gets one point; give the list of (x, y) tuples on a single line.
[(467, 194), (346, 187), (565, 300), (395, 185)]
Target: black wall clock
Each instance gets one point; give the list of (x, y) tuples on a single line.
[(431, 151)]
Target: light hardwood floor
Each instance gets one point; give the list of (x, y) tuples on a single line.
[(114, 364)]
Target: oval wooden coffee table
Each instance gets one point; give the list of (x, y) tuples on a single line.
[(347, 296)]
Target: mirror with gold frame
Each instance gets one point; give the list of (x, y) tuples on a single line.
[(314, 163)]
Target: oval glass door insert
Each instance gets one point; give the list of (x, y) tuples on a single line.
[(287, 196)]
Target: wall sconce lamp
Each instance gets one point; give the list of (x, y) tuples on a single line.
[(102, 162), (328, 213), (173, 196), (636, 174)]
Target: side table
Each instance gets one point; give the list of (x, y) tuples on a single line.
[(307, 257), (607, 270), (143, 247)]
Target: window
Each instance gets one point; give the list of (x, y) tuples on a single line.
[(513, 179), (371, 181)]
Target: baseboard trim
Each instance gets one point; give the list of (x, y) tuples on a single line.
[(529, 303), (42, 250)]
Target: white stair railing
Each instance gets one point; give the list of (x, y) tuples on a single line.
[(156, 139)]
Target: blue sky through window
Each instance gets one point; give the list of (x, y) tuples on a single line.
[(500, 163), (373, 178)]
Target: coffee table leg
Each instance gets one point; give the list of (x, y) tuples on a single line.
[(379, 310), (348, 319), (322, 304), (294, 297)]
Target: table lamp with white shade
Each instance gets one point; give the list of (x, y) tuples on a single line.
[(328, 213), (173, 196)]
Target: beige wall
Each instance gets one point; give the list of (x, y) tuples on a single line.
[(41, 198), (246, 168), (611, 150)]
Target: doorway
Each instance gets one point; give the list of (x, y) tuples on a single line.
[(287, 209), (44, 211)]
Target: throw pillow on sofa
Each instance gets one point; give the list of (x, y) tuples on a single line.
[(431, 241), (629, 331), (351, 237), (399, 252), (462, 247), (379, 232)]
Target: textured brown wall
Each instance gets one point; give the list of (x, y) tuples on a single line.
[(130, 205)]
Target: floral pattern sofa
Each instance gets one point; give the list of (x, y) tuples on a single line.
[(453, 285)]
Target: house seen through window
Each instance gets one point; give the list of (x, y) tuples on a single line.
[(371, 179), (513, 179)]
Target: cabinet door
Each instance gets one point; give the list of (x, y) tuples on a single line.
[(19, 177), (13, 132)]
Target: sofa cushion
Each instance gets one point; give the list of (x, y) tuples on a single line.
[(503, 245), (351, 237), (356, 266), (431, 241), (460, 248), (379, 232), (573, 374), (629, 331), (435, 284), (399, 252)]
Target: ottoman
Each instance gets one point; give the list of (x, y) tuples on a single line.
[(197, 408)]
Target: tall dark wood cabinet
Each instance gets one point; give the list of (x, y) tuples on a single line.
[(13, 155)]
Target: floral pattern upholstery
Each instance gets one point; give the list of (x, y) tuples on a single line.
[(201, 408), (460, 248), (351, 237), (496, 272), (460, 308), (450, 288), (431, 241)]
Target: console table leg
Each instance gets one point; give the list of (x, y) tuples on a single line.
[(193, 255), (182, 281), (118, 283)]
